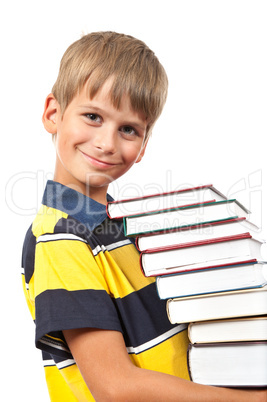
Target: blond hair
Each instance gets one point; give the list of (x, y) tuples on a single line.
[(135, 69)]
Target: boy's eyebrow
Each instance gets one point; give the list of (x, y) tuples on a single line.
[(89, 106), (97, 109)]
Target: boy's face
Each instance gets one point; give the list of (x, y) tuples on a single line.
[(95, 142)]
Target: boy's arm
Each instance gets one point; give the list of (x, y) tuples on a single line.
[(109, 373)]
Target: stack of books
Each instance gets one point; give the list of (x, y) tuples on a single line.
[(210, 267), (230, 352)]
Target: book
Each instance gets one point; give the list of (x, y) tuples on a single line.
[(161, 201), (214, 306), (229, 330), (239, 364), (184, 216), (230, 227), (203, 254), (233, 277)]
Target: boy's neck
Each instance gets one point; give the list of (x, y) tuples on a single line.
[(98, 194)]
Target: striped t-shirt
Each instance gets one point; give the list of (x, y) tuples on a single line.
[(80, 271)]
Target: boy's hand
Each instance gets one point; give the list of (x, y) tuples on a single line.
[(110, 375)]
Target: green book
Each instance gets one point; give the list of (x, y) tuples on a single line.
[(173, 218)]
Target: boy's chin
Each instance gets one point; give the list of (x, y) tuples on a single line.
[(98, 179)]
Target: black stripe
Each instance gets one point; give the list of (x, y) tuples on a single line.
[(28, 254), (143, 316), (108, 232), (60, 309), (50, 356)]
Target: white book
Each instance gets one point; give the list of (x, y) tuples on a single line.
[(164, 200), (214, 306), (200, 255), (230, 365), (229, 330), (183, 216), (221, 279), (196, 233)]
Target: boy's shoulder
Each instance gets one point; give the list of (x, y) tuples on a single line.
[(52, 224), (47, 220), (65, 210), (66, 214)]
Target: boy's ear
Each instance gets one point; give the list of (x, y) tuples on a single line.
[(51, 111)]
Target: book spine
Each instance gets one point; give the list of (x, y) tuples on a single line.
[(125, 226), (141, 266), (168, 311), (137, 243), (107, 210), (188, 361), (189, 332)]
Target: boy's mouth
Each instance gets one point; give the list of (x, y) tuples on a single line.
[(97, 162)]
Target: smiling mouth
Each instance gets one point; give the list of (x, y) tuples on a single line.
[(97, 162)]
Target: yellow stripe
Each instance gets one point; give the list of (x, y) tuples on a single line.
[(77, 384), (58, 388), (66, 264), (46, 220), (66, 385), (70, 265), (122, 270), (174, 351)]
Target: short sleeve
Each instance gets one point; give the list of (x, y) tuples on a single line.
[(70, 291)]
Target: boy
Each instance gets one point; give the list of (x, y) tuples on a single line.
[(102, 329)]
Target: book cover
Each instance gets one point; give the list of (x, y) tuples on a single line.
[(204, 231), (229, 330), (214, 306), (199, 255), (189, 215), (161, 201), (237, 364), (229, 278)]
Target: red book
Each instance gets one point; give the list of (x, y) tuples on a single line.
[(203, 254), (204, 231), (162, 201)]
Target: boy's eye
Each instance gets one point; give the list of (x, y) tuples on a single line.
[(128, 130), (93, 117)]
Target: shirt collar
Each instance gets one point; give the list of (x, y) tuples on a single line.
[(79, 206)]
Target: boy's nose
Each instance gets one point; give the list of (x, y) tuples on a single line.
[(106, 139)]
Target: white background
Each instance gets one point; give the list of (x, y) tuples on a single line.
[(213, 128)]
